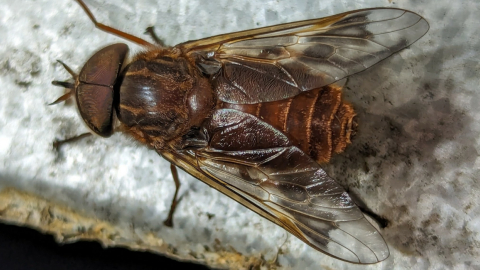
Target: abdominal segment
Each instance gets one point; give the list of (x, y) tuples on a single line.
[(318, 121)]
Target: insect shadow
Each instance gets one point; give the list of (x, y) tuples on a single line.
[(391, 162)]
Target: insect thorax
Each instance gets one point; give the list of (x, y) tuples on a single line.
[(161, 98)]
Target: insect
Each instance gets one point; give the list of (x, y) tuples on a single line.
[(253, 114)]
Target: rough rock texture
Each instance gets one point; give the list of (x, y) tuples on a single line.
[(414, 159)]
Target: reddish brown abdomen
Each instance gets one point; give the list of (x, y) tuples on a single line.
[(317, 121)]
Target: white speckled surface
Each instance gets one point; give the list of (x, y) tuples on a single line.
[(414, 160)]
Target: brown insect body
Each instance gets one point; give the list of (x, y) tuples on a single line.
[(253, 113), (162, 97)]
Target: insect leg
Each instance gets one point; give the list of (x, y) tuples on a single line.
[(112, 30), (169, 221), (58, 143), (151, 32)]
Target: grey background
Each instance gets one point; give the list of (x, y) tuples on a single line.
[(414, 159)]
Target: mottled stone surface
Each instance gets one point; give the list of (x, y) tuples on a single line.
[(414, 159)]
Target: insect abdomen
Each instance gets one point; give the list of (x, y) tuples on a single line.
[(318, 121)]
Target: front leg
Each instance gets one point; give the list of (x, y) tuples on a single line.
[(59, 143)]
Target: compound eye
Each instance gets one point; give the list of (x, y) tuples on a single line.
[(104, 66), (95, 103), (95, 88)]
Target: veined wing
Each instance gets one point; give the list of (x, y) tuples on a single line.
[(278, 62), (278, 181)]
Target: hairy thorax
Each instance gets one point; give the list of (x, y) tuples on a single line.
[(162, 97)]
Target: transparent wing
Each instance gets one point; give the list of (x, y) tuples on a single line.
[(278, 62), (272, 177)]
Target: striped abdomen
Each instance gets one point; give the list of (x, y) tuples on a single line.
[(317, 121)]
